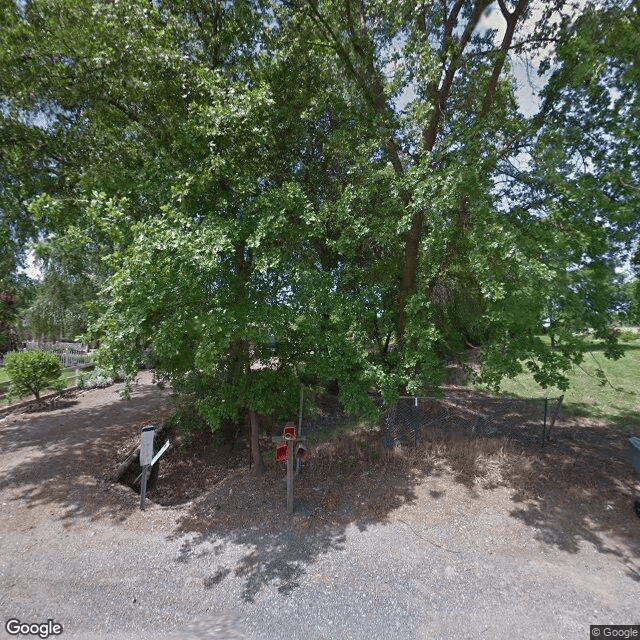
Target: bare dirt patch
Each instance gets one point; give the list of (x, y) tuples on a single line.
[(577, 489), (460, 515), (60, 457)]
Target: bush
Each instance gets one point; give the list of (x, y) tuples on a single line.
[(99, 379), (32, 371), (627, 335)]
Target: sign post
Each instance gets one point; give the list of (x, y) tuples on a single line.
[(291, 446), (146, 456), (290, 481)]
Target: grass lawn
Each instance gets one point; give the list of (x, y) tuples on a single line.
[(617, 402)]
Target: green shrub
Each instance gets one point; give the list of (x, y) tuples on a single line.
[(99, 378), (627, 335), (82, 380), (32, 371)]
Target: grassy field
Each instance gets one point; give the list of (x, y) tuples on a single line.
[(616, 402)]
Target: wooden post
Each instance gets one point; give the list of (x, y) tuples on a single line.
[(292, 442), (554, 416), (290, 477), (298, 461)]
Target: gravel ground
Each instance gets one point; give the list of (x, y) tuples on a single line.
[(447, 561)]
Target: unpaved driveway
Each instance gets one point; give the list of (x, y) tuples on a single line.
[(446, 560)]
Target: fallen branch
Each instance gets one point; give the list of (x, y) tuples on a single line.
[(132, 457)]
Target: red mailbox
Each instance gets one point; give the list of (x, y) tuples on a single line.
[(301, 452), (290, 432), (282, 452)]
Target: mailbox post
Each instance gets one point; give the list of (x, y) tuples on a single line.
[(146, 455), (288, 447)]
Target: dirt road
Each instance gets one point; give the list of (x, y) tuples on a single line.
[(447, 559)]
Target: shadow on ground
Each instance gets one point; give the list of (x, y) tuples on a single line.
[(578, 489), (278, 548), (620, 418), (62, 456)]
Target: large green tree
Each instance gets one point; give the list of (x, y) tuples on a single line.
[(474, 204), (174, 173), (353, 178), (586, 154)]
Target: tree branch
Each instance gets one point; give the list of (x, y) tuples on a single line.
[(339, 49), (370, 84), (503, 9), (430, 132), (512, 21)]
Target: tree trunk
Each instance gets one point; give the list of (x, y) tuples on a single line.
[(409, 271), (258, 462)]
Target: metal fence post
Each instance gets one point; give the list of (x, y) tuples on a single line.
[(544, 424), (407, 419), (554, 416)]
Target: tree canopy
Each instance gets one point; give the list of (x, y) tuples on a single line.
[(354, 179)]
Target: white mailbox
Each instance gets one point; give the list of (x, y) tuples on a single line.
[(146, 446)]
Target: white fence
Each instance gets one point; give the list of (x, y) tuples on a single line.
[(69, 353), (72, 358), (56, 346)]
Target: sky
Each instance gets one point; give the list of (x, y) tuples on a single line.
[(31, 268)]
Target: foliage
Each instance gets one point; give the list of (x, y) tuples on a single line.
[(628, 295), (58, 310), (8, 336), (16, 292), (354, 179), (627, 335), (99, 378), (591, 128), (32, 371)]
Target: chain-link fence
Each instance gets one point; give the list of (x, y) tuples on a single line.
[(413, 419), (322, 416)]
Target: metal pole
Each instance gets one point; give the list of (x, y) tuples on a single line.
[(544, 426), (143, 488)]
